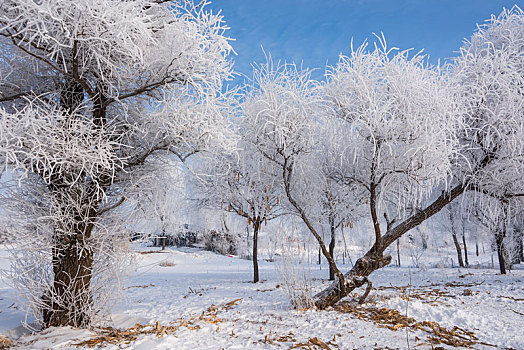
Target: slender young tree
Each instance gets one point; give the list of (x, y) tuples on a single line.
[(282, 112), (456, 222), (340, 205), (89, 90), (242, 183), (158, 210)]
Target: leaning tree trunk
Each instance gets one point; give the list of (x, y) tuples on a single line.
[(256, 227), (355, 278), (374, 258)]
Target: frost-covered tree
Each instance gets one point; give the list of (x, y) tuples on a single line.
[(243, 183), (397, 138), (88, 91), (409, 137), (158, 210), (406, 134), (282, 114), (456, 220), (500, 218), (488, 78)]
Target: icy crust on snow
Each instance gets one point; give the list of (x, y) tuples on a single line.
[(176, 285)]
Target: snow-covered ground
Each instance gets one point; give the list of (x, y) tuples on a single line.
[(200, 300)]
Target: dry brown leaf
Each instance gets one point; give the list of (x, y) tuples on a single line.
[(318, 342)]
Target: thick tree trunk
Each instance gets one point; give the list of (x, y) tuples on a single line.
[(255, 250), (70, 301), (355, 278)]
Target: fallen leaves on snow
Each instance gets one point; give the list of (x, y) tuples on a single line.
[(125, 336), (394, 320)]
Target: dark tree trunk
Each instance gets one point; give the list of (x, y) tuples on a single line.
[(458, 249), (520, 247), (398, 252), (454, 235), (466, 260), (477, 248), (70, 302), (256, 227), (499, 239), (355, 278), (332, 251)]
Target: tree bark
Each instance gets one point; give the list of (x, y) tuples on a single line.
[(454, 235), (70, 301), (332, 250), (466, 261), (458, 249), (257, 223), (398, 252), (499, 239)]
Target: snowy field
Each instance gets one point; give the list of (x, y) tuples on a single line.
[(192, 299)]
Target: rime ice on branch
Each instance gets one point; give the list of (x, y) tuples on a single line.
[(89, 90)]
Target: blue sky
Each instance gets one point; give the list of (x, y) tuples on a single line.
[(315, 32)]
